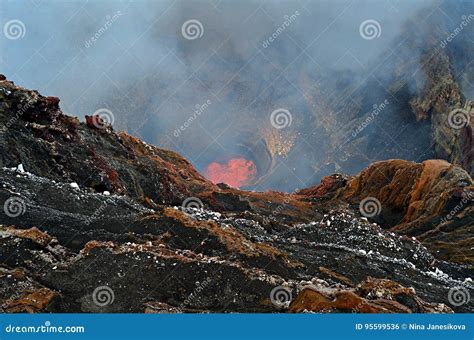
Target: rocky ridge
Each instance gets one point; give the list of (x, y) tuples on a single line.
[(98, 221)]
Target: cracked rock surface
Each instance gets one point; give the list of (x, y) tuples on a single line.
[(94, 221)]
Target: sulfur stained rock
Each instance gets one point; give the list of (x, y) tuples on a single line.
[(101, 217), (370, 296), (310, 299), (154, 307), (328, 186), (22, 294), (57, 146), (31, 302), (432, 201), (33, 234), (386, 289)]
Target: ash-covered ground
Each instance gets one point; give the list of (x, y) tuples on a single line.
[(99, 221)]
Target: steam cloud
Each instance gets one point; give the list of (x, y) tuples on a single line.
[(131, 58)]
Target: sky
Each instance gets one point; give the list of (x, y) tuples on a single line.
[(193, 76)]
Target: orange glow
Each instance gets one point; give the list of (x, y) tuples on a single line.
[(236, 173)]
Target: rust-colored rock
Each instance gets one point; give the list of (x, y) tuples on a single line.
[(53, 102), (155, 307), (96, 122), (371, 296), (104, 209), (432, 201), (33, 234), (336, 276), (329, 184), (31, 302)]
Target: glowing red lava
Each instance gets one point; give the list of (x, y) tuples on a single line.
[(236, 172)]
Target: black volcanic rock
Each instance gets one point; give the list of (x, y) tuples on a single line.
[(399, 105), (92, 214), (432, 201)]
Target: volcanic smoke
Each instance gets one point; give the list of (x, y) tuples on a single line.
[(236, 172)]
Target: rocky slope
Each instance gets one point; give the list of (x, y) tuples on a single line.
[(432, 201), (414, 102), (98, 221)]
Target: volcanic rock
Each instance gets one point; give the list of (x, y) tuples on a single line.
[(371, 296), (143, 231), (432, 201)]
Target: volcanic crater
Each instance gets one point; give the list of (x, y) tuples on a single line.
[(89, 209)]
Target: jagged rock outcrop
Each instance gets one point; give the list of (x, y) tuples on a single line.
[(37, 134), (98, 221), (413, 101), (370, 296), (432, 201)]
